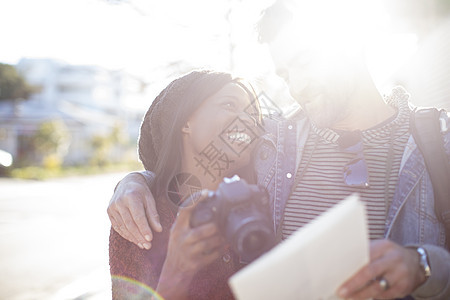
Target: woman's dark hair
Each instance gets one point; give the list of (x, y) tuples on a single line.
[(160, 144)]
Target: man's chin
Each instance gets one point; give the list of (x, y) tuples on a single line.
[(323, 113), (316, 114), (320, 119)]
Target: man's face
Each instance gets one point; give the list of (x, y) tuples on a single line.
[(320, 76)]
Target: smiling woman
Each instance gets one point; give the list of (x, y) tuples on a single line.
[(223, 121), (195, 118), (202, 127)]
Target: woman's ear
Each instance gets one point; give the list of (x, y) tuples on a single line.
[(186, 128)]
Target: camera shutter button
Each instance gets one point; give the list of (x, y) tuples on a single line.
[(226, 258)]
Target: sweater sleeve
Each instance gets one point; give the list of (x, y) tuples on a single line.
[(135, 272)]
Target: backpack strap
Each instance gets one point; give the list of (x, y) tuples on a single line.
[(426, 130)]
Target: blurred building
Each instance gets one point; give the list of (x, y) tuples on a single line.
[(88, 99)]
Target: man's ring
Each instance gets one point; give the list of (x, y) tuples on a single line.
[(384, 285)]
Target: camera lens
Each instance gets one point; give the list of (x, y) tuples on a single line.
[(254, 242), (251, 239)]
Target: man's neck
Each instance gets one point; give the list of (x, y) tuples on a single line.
[(367, 109)]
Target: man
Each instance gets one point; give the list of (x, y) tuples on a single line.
[(347, 139)]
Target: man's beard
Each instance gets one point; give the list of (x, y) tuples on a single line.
[(329, 113)]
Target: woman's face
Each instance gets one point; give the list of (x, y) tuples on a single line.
[(222, 132)]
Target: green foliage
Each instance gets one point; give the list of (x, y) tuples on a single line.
[(33, 172), (50, 136), (102, 145), (13, 85), (50, 142), (42, 173)]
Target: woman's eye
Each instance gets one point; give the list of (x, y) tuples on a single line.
[(230, 105)]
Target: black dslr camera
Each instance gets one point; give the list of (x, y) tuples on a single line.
[(241, 212)]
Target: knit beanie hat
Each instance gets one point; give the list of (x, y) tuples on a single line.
[(172, 108)]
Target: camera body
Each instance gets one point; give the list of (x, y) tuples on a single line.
[(241, 212)]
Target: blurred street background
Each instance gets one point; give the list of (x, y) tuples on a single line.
[(54, 238), (76, 77)]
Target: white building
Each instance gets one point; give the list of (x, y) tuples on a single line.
[(90, 100)]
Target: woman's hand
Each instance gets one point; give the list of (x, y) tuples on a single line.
[(189, 250)]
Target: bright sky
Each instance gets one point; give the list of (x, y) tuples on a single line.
[(142, 36), (137, 35)]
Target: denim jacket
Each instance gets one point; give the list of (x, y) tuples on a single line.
[(411, 218)]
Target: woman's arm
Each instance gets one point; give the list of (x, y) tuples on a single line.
[(169, 267)]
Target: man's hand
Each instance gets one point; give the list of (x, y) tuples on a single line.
[(398, 266), (132, 211)]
